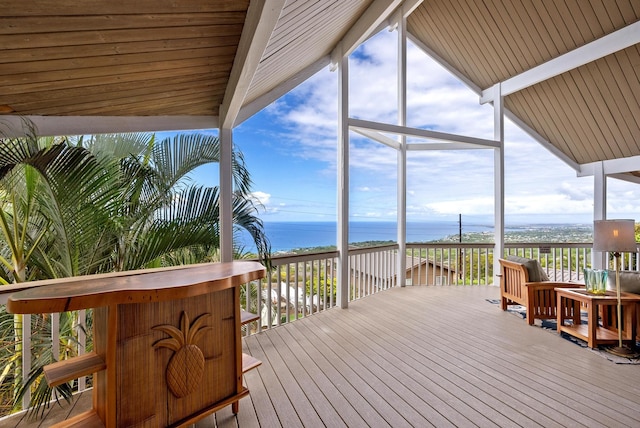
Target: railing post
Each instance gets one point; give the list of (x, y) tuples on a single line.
[(26, 357)]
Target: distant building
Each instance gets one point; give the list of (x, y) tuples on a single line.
[(367, 278)]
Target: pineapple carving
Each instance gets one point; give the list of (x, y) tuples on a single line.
[(186, 366)]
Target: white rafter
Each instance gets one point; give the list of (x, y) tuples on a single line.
[(612, 167), (370, 21), (262, 17), (611, 43), (421, 133), (377, 136)]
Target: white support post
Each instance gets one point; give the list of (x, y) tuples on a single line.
[(226, 195), (342, 294), (402, 152), (498, 170), (598, 259)]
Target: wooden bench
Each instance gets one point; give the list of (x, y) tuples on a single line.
[(539, 298)]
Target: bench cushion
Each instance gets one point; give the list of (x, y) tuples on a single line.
[(629, 281), (534, 270)]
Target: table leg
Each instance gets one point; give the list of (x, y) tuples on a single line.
[(592, 311), (576, 312), (630, 323), (559, 312)]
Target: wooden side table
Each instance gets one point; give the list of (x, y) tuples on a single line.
[(167, 346), (594, 304)]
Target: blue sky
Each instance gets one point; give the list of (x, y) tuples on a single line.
[(290, 149)]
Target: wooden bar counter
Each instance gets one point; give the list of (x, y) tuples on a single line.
[(167, 344)]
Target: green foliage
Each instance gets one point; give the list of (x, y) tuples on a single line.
[(78, 206)]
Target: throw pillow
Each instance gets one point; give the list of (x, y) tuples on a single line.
[(535, 271)]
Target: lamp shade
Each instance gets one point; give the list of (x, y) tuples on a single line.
[(614, 236)]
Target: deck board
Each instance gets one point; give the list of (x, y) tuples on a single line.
[(425, 356)]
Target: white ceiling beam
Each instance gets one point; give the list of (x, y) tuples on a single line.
[(607, 45), (442, 146), (626, 177), (262, 17), (370, 21), (437, 58), (408, 6), (376, 136), (541, 140), (611, 167), (421, 133), (476, 89), (11, 125)]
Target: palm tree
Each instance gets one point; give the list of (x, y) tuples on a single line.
[(53, 196), (102, 203), (162, 213)]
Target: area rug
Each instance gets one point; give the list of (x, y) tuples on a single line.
[(550, 325)]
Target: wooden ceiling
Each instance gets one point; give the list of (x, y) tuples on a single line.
[(107, 63), (589, 113), (117, 58)]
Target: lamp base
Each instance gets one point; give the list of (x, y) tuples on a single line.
[(623, 351)]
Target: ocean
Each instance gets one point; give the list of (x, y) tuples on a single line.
[(286, 236)]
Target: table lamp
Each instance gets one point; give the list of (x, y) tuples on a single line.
[(616, 236)]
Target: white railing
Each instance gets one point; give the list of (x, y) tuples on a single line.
[(302, 285)]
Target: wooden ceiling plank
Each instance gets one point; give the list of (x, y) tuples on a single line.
[(580, 56), (454, 40), (539, 17), (628, 86), (552, 117), (633, 10), (146, 100), (121, 60), (479, 46), (106, 89), (291, 22), (81, 38), (101, 80), (511, 43), (614, 101), (156, 107), (62, 77), (602, 118), (529, 50), (606, 16), (34, 104), (314, 33), (100, 7), (74, 52), (493, 43), (55, 24), (82, 125), (520, 103), (632, 74), (417, 22), (586, 116), (584, 132), (563, 29)]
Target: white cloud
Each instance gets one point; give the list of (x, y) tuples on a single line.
[(438, 182), (261, 197)]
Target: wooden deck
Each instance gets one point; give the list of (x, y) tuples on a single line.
[(427, 356)]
